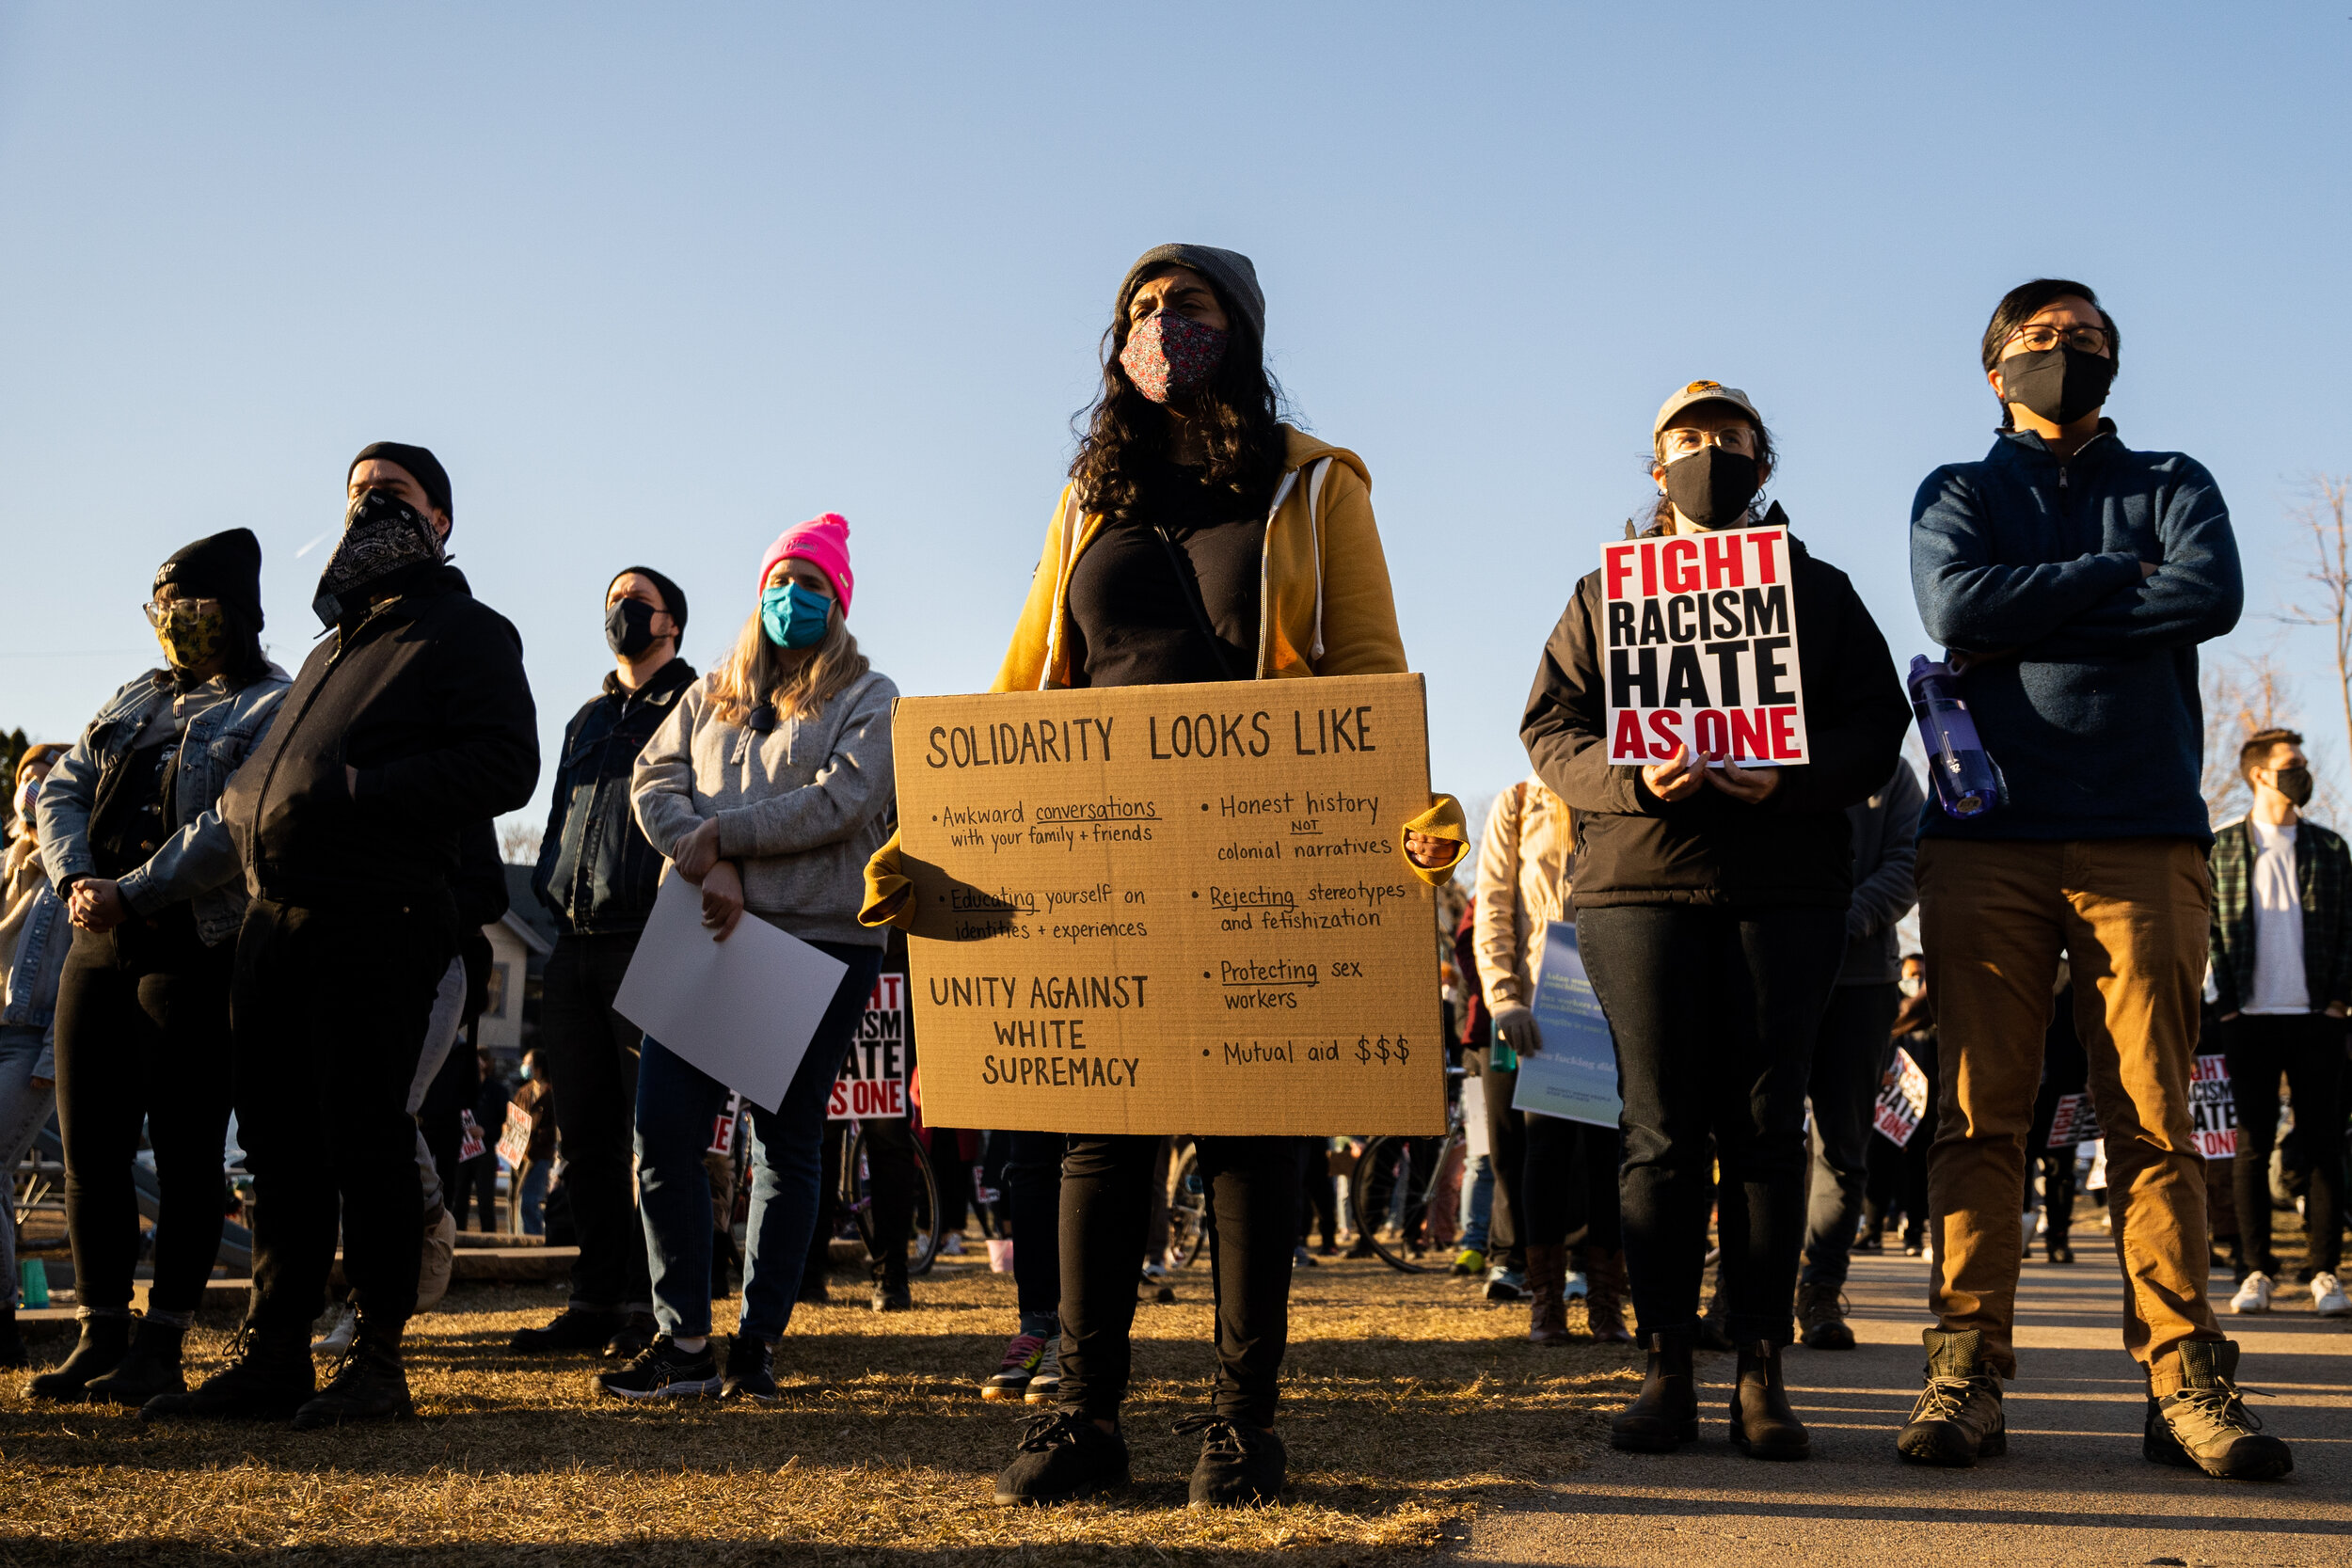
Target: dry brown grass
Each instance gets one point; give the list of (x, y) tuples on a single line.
[(1407, 1400)]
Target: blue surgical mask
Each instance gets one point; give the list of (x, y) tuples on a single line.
[(525, 1069), (792, 616)]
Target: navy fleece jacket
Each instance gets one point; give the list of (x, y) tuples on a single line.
[(2087, 696)]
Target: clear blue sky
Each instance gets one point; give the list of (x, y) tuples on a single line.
[(656, 281)]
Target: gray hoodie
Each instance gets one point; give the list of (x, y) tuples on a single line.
[(800, 801)]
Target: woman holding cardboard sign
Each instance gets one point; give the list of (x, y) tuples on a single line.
[(1198, 539), (766, 787), (1711, 898)]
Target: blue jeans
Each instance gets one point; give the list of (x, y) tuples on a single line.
[(530, 1195), (23, 1111), (676, 1103), (1478, 1204)]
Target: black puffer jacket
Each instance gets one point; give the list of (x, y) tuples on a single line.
[(597, 873), (423, 694), (1794, 848)]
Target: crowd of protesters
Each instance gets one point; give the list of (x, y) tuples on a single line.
[(241, 892)]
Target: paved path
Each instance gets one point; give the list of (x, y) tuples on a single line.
[(2073, 1489)]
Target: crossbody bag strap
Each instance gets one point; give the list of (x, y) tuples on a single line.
[(1177, 564)]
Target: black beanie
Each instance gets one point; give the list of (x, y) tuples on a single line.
[(422, 464), (672, 596), (224, 566)]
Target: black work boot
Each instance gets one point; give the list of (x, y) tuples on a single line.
[(151, 1366), (574, 1328), (1665, 1415), (1062, 1457), (369, 1383), (1241, 1463), (2205, 1424), (1958, 1419), (103, 1343), (1762, 1424), (13, 1356), (1821, 1318), (267, 1378)]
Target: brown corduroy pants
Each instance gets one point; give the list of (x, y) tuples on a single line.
[(2131, 916)]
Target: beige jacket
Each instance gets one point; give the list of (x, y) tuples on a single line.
[(1525, 864)]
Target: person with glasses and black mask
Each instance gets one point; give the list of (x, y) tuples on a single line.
[(2071, 580), (598, 874)]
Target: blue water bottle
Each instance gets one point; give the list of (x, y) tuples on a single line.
[(1967, 783)]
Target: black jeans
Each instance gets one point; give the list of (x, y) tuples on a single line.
[(590, 1053), (143, 1037), (330, 1009), (1714, 1012), (1318, 1192), (2309, 1049), (1571, 1183), (1252, 1187), (1849, 1055), (889, 1155), (1506, 1151), (1033, 1194)]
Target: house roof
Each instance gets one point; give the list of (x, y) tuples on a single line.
[(525, 911)]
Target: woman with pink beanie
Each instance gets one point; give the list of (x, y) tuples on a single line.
[(766, 787)]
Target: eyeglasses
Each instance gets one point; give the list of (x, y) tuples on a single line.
[(157, 611), (2041, 338), (1736, 438)]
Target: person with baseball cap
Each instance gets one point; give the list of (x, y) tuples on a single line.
[(409, 726), (1711, 908), (598, 875)]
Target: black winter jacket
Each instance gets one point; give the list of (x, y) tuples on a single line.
[(597, 873), (423, 694), (1795, 847)]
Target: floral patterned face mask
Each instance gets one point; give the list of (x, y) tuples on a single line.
[(1167, 355)]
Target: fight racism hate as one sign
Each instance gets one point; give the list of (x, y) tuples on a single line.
[(1701, 635)]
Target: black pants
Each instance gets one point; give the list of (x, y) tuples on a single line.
[(1849, 1055), (330, 1010), (1252, 1187), (1714, 1012), (1318, 1192), (2309, 1049), (478, 1187), (1033, 1194), (590, 1053), (2065, 1070), (1506, 1154), (889, 1155), (143, 1038), (1570, 1183)]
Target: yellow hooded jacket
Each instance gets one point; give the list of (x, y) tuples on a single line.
[(1325, 608)]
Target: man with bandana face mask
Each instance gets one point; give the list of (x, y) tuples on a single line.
[(598, 876), (2071, 580), (2282, 980), (409, 724)]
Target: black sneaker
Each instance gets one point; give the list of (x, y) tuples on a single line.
[(574, 1328), (1241, 1465), (1062, 1457), (750, 1370), (892, 1298), (664, 1371), (637, 1331), (268, 1377), (368, 1384)]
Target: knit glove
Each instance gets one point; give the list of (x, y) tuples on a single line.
[(1515, 1026)]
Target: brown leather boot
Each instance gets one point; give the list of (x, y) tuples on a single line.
[(1547, 1298), (1605, 1295), (1762, 1424), (1665, 1415)]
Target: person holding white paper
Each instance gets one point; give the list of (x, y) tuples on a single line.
[(767, 787), (1710, 913)]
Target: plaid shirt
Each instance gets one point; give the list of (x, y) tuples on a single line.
[(2323, 876)]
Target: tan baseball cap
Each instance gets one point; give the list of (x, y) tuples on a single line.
[(1702, 392)]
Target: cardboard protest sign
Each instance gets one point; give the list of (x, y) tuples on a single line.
[(2075, 1122), (1575, 1075), (873, 1077), (1902, 1100), (2213, 1109), (1172, 909), (514, 1138), (1699, 640), (723, 1127)]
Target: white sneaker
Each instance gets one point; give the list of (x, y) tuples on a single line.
[(2328, 1297), (433, 1266), (339, 1337), (951, 1244), (1575, 1286), (2254, 1295)]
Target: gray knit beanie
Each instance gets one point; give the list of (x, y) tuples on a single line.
[(1229, 270)]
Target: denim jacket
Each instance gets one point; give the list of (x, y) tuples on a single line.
[(597, 873), (199, 862), (29, 1000)]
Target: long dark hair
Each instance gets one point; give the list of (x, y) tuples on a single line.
[(1124, 436)]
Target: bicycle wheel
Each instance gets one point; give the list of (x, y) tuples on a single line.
[(1187, 1208), (858, 1198), (1390, 1195)]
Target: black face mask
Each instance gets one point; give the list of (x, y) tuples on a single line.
[(1711, 486), (629, 627), (2060, 385), (2296, 784)]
